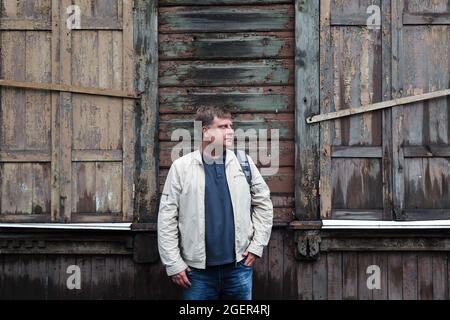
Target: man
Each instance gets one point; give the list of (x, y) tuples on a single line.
[(212, 225)]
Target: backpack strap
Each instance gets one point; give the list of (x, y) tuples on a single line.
[(245, 165)]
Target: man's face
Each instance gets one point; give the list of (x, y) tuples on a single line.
[(219, 133)]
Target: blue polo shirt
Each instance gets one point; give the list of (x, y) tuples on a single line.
[(219, 217)]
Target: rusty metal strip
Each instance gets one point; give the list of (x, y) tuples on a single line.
[(377, 106), (67, 88)]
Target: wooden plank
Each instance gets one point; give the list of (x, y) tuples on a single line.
[(364, 261), (226, 19), (115, 217), (85, 264), (97, 124), (281, 183), (426, 18), (289, 266), (405, 101), (440, 277), (83, 187), (395, 276), (426, 214), (146, 54), (97, 155), (226, 46), (398, 187), (425, 277), (261, 276), (171, 151), (350, 275), (426, 186), (25, 156), (357, 184), (16, 188), (164, 3), (381, 260), (275, 252), (350, 19), (388, 243), (38, 104), (284, 123), (320, 279), (305, 225), (226, 73), (335, 276), (304, 279), (41, 175), (307, 97), (325, 188), (386, 94), (13, 65), (24, 218), (97, 23), (20, 24), (427, 151), (68, 88), (410, 276), (55, 118), (108, 188), (347, 214), (65, 121), (356, 152), (99, 277), (129, 125), (278, 99), (351, 13)]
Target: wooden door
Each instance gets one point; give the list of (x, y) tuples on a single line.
[(66, 157), (390, 164), (354, 175), (421, 132)]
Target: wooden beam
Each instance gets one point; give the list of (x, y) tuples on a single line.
[(378, 106), (307, 84), (426, 19), (68, 88)]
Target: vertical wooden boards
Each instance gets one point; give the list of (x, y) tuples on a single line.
[(236, 56), (351, 74), (307, 96), (147, 59), (25, 115), (420, 65), (46, 137)]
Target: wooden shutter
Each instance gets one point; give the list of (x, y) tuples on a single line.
[(354, 169), (421, 132), (67, 157), (391, 164)]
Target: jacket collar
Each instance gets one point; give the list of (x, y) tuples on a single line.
[(230, 156)]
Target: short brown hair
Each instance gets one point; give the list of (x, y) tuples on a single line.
[(206, 114)]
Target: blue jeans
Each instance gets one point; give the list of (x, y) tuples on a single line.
[(228, 282)]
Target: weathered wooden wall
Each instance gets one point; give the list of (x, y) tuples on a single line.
[(236, 54), (245, 55), (67, 157), (336, 275)]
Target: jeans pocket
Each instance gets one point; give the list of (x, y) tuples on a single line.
[(242, 263)]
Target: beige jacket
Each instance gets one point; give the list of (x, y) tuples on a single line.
[(181, 219)]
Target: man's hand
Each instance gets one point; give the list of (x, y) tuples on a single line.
[(251, 258), (181, 279)]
